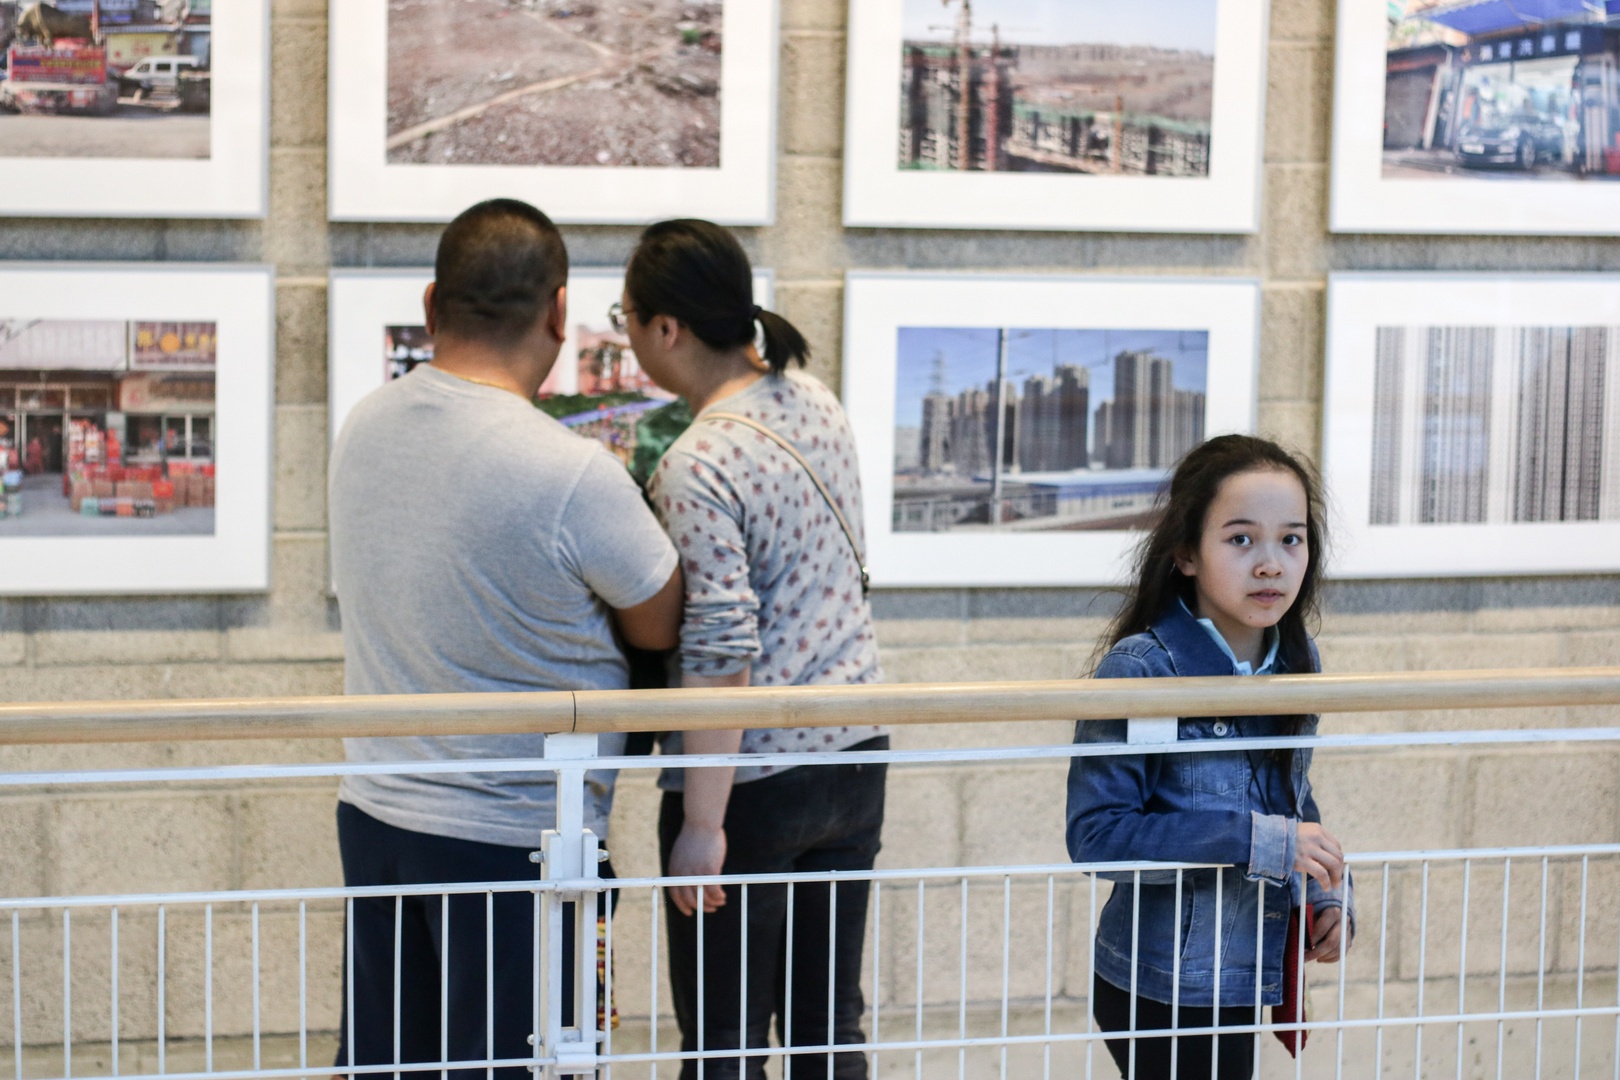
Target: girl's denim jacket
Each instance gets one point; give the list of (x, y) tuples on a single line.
[(1232, 809)]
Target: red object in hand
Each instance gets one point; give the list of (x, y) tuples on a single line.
[(1296, 1002)]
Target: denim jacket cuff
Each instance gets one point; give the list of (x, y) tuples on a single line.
[(1271, 847)]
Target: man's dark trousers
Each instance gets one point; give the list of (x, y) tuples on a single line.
[(375, 853)]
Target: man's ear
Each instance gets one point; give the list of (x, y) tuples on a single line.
[(427, 308), (557, 314)]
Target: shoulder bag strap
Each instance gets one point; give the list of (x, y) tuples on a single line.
[(843, 522)]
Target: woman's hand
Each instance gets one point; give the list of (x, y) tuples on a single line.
[(698, 852), (1318, 855), (1329, 930)]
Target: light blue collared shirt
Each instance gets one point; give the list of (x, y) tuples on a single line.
[(1240, 667)]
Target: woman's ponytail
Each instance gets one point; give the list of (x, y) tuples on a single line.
[(695, 272), (783, 342)]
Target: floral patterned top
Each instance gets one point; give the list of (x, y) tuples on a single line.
[(772, 586)]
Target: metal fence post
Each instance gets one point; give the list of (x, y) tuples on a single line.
[(570, 854)]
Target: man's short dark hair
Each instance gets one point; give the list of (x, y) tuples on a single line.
[(499, 267)]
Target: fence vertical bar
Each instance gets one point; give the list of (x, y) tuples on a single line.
[(877, 971), (1046, 1047), (67, 992), (1259, 955), (652, 952), (114, 995), (162, 990), (444, 986), (787, 977), (399, 935), (1215, 1011), (1501, 967), (348, 979), (1091, 973), (256, 1045), (1383, 954), (537, 1039), (1006, 962), (742, 984), (1344, 962), (1423, 958), (1299, 1000), (1175, 980), (1541, 963), (702, 996), (17, 993), (208, 984), (961, 991), (607, 982), (303, 985), (1580, 967), (832, 968), (920, 914), (1462, 963), (489, 986), (1136, 933)]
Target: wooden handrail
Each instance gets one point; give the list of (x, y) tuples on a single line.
[(799, 706)]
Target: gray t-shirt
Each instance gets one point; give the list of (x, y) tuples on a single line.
[(477, 545)]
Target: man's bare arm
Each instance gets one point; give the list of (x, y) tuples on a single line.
[(655, 624)]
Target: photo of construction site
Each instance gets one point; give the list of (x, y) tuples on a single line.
[(1079, 86), (554, 82), (1501, 91), (1092, 423), (107, 427), (612, 400), (105, 78)]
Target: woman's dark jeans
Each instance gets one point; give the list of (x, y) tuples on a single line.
[(809, 819)]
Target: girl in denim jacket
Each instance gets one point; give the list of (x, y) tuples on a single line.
[(1226, 584)]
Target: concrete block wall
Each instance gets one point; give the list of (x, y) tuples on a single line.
[(287, 642)]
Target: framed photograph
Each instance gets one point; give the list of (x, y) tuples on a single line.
[(597, 388), (134, 108), (1476, 118), (135, 428), (1473, 424), (595, 112), (1106, 383), (1055, 114)]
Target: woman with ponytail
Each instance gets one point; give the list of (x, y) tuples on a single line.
[(762, 498)]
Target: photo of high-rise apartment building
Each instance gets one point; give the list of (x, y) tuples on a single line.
[(1495, 425), (1045, 429)]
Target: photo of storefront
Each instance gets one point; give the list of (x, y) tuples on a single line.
[(107, 428), (1488, 88)]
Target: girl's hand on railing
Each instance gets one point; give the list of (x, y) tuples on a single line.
[(1319, 855), (698, 851), (1329, 930)]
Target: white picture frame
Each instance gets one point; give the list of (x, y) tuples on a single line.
[(1371, 401), (365, 302), (363, 186), (232, 182), (240, 300), (878, 193), (877, 307), (1491, 200)]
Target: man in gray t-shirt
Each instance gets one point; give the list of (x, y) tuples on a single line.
[(477, 545)]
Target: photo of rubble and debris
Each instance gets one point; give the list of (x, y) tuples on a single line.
[(554, 82), (1080, 86)]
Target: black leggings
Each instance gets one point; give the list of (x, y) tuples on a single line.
[(1112, 1007)]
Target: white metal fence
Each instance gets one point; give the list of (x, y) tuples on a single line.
[(1466, 963)]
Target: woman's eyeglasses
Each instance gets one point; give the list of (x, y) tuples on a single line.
[(618, 318)]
